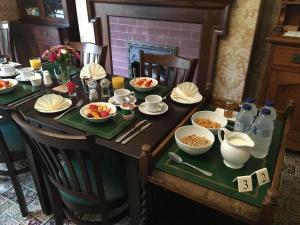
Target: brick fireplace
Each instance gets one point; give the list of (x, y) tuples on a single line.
[(185, 37)]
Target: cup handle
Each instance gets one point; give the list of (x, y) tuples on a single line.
[(220, 134), (160, 106), (132, 93)]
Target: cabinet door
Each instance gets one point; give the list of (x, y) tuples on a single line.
[(53, 9), (284, 86), (25, 48), (30, 8)]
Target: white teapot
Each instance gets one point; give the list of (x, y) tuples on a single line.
[(235, 148)]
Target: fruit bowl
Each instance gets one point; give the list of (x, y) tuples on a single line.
[(7, 85), (143, 84), (98, 112)]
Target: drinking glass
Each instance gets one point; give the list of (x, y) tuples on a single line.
[(117, 82), (36, 63)]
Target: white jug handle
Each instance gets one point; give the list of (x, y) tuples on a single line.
[(220, 132)]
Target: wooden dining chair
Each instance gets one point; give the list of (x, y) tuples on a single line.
[(82, 180), (12, 150), (167, 69), (90, 52), (6, 46)]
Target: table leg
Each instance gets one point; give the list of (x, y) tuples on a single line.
[(133, 185)]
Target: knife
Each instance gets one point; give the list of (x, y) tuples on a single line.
[(119, 139), (136, 133), (26, 99)]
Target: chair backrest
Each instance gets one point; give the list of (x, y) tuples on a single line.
[(6, 47), (71, 163), (167, 69), (90, 52)]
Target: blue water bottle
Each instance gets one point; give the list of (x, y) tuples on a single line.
[(251, 101), (262, 134), (244, 120), (270, 105)]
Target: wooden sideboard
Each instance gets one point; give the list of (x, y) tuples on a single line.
[(282, 80), (41, 25)]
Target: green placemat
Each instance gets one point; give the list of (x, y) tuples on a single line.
[(158, 90), (21, 91), (221, 181), (107, 129)]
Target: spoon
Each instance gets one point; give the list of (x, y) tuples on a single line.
[(176, 158)]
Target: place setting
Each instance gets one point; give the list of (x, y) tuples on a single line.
[(8, 70), (186, 93)]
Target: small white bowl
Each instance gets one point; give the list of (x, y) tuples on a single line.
[(98, 120), (13, 84), (190, 130), (216, 117), (143, 89)]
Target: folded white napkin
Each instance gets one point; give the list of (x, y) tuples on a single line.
[(92, 70), (51, 102)]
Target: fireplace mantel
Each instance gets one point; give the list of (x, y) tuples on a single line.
[(211, 14)]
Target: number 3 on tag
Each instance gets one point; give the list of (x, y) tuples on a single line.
[(262, 176), (245, 183)]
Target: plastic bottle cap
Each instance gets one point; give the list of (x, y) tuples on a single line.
[(269, 103), (247, 107), (265, 111), (250, 100)]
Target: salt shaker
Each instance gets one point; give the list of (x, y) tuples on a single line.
[(47, 78), (93, 94), (105, 93)]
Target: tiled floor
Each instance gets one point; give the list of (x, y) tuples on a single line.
[(288, 214)]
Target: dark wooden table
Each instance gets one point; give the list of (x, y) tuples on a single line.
[(161, 127)]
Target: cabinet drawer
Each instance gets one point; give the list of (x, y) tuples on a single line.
[(285, 56), (46, 34)]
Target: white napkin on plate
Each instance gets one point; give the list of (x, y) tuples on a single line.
[(92, 70), (51, 102), (185, 91)]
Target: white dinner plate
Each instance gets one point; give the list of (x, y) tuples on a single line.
[(142, 108), (2, 74), (22, 79), (111, 100), (221, 112), (197, 98), (11, 63)]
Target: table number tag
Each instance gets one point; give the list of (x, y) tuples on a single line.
[(262, 176), (244, 183)]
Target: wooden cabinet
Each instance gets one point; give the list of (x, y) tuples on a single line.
[(43, 23), (282, 79)]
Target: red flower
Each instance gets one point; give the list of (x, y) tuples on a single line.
[(52, 57), (71, 86)]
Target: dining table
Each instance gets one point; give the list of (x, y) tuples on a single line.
[(162, 125)]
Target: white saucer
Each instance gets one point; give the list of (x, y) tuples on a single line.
[(142, 108), (197, 98), (22, 79), (221, 112), (2, 74), (111, 100)]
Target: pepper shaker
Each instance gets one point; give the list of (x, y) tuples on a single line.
[(105, 92)]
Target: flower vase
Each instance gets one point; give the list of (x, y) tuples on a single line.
[(62, 73)]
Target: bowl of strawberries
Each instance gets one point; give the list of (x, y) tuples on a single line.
[(7, 85), (98, 112), (143, 84)]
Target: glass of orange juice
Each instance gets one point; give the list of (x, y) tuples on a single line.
[(35, 63), (117, 82)]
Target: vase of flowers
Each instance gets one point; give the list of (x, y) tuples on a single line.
[(62, 56)]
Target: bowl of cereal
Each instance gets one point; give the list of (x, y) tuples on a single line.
[(194, 140), (210, 120)]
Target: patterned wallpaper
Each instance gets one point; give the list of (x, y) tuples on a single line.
[(8, 10), (234, 50)]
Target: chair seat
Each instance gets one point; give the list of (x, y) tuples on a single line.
[(12, 136), (114, 181)]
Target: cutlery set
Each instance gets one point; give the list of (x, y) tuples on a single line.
[(28, 98), (138, 128)]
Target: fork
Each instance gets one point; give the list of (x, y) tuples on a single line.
[(78, 104)]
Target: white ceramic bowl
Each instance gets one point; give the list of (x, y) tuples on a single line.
[(13, 84), (143, 89), (216, 117), (190, 130), (98, 120)]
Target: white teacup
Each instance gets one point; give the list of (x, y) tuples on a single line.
[(8, 68), (153, 103), (36, 80), (120, 94), (26, 72)]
